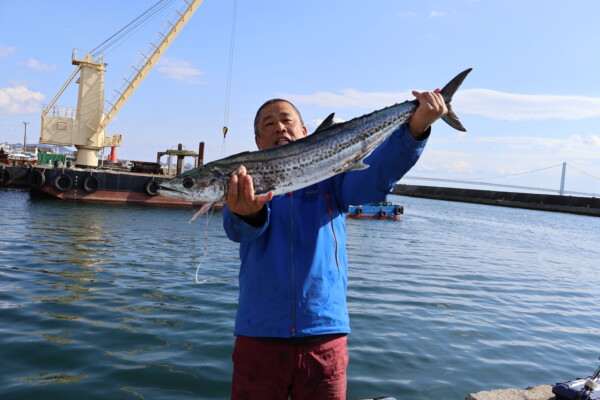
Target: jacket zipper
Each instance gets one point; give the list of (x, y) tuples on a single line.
[(332, 230), (292, 280)]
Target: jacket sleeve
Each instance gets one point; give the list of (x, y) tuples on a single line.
[(239, 230), (387, 164)]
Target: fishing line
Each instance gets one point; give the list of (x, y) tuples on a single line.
[(229, 74), (208, 217)]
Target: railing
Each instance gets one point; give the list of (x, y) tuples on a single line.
[(59, 111), (80, 55)]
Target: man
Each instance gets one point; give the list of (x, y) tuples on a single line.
[(292, 317)]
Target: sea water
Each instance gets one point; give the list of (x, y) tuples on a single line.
[(99, 301)]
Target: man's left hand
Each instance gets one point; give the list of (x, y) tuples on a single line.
[(431, 108)]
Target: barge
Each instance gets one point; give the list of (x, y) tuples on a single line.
[(113, 183), (84, 127)]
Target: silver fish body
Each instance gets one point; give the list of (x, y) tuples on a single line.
[(330, 150)]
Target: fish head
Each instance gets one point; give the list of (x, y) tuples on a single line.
[(200, 185)]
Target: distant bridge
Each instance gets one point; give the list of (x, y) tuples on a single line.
[(561, 191)]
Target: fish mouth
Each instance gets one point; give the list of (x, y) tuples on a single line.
[(170, 191), (175, 194)]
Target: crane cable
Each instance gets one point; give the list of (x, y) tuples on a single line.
[(229, 73), (134, 25)]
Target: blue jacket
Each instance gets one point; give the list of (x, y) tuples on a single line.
[(294, 268)]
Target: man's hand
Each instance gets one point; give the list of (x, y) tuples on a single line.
[(240, 196), (431, 108)]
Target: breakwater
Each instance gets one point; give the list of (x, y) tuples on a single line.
[(533, 201)]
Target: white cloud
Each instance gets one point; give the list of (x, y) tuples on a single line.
[(571, 147), (593, 140), (458, 166), (38, 66), (19, 100), (349, 98), (515, 107), (179, 70), (527, 158), (6, 51), (485, 102), (444, 161), (434, 14), (573, 141)]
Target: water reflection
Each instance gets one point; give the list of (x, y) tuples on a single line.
[(73, 234), (49, 378)]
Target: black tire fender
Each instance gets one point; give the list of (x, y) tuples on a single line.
[(382, 213), (359, 210), (5, 176), (151, 187), (36, 178), (62, 182), (91, 183), (398, 210)]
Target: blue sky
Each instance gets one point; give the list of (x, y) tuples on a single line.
[(531, 103)]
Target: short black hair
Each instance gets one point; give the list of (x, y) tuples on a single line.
[(268, 102)]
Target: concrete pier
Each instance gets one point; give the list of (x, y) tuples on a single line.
[(540, 392), (543, 202)]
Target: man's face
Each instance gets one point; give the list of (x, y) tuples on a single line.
[(278, 124)]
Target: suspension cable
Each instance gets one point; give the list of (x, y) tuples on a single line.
[(518, 173), (583, 172)]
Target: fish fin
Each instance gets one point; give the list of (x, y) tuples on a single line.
[(237, 171), (202, 210), (357, 166), (325, 124), (447, 93)]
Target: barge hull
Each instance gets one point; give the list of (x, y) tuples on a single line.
[(87, 184)]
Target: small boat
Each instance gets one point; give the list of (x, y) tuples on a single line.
[(585, 388), (381, 210)]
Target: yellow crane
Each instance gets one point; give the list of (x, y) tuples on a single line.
[(84, 127)]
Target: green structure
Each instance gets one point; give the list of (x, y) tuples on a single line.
[(48, 158)]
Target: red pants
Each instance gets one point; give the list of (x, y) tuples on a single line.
[(273, 371)]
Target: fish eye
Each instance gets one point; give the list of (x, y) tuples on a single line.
[(187, 182)]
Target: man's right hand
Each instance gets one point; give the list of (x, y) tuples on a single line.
[(240, 196)]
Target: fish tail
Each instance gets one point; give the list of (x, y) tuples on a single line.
[(447, 93)]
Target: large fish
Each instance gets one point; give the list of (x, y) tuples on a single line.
[(330, 150)]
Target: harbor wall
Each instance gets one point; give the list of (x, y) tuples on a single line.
[(544, 202)]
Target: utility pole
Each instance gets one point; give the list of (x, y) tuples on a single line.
[(562, 179), (25, 138)]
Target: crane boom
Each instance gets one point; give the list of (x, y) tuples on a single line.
[(87, 130), (151, 60)]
